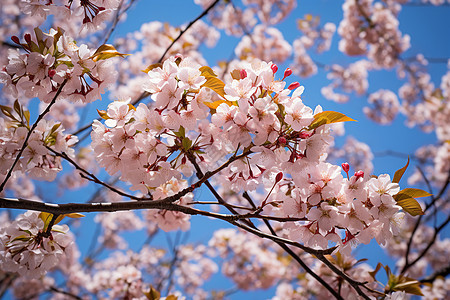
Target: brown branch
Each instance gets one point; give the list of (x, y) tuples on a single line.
[(25, 142), (295, 256), (92, 177), (419, 220), (8, 44), (204, 13), (425, 250), (56, 290), (441, 273), (117, 17), (355, 284)]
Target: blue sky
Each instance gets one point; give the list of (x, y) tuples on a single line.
[(429, 30)]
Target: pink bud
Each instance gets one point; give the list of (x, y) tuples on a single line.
[(51, 72), (304, 134), (15, 39), (345, 167), (293, 86), (243, 73), (282, 140), (279, 177), (359, 174), (274, 68), (287, 73)]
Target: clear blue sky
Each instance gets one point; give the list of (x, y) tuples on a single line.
[(429, 31)]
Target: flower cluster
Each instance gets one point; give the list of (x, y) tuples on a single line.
[(238, 20), (372, 29), (249, 262), (37, 160), (49, 61), (364, 207), (276, 133), (27, 249), (92, 13)]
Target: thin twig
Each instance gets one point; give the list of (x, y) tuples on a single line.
[(355, 284), (294, 255), (440, 273), (25, 142), (117, 16), (204, 13), (56, 290), (419, 220), (425, 250)]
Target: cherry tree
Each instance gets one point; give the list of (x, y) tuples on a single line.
[(294, 205)]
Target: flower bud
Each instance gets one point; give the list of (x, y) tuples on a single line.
[(279, 177), (345, 167), (15, 39), (51, 73), (282, 140), (359, 174), (304, 134), (243, 74), (274, 68), (28, 38), (287, 73), (293, 86)]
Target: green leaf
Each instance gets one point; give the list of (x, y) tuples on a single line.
[(153, 294), (406, 199), (74, 215), (328, 117), (54, 128), (411, 206), (7, 111), (187, 143), (181, 133), (17, 107), (411, 193), (374, 272), (106, 51), (215, 84), (152, 66), (408, 285), (399, 173), (26, 114), (215, 104), (103, 114), (46, 217), (207, 72)]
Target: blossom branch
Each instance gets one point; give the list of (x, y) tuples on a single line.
[(19, 203), (294, 255), (25, 142), (90, 176), (355, 284)]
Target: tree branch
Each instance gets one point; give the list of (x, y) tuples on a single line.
[(25, 142), (204, 13)]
